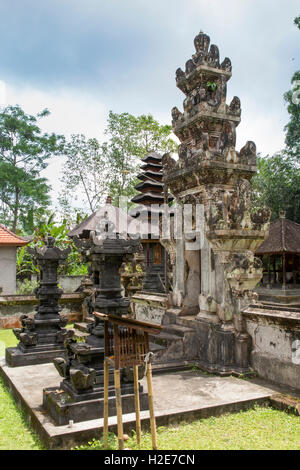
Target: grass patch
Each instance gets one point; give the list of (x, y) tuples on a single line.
[(261, 428), (7, 339), (15, 433)]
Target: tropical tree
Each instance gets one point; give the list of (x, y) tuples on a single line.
[(24, 151), (292, 98), (131, 138), (84, 173), (92, 170), (277, 185)]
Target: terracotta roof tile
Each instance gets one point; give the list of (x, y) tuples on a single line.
[(8, 238)]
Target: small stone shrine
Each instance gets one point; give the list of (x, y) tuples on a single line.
[(42, 337), (82, 371), (216, 270)]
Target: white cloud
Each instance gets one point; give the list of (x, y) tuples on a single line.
[(72, 112)]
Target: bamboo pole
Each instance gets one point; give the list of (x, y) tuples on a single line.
[(151, 406), (137, 403), (105, 420), (119, 408)]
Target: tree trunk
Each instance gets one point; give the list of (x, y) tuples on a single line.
[(16, 210)]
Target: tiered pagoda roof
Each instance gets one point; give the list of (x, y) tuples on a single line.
[(151, 187)]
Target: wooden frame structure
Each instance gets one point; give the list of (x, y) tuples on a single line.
[(127, 345)]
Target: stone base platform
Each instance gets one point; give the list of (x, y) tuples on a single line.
[(63, 408), (39, 355), (178, 396)]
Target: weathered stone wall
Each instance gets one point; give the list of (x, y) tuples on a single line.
[(69, 283), (8, 269), (13, 306), (276, 344)]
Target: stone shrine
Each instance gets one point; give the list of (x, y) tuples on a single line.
[(42, 337), (82, 371), (216, 269)]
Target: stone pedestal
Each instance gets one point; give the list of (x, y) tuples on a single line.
[(42, 337), (149, 307)]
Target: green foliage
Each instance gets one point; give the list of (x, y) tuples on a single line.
[(96, 170), (26, 287), (24, 152), (84, 171), (292, 98), (15, 433), (130, 139), (277, 186), (212, 86), (73, 265)]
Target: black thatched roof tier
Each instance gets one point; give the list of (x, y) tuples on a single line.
[(149, 197), (150, 184), (284, 237), (153, 156)]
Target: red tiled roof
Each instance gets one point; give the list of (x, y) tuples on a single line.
[(8, 238)]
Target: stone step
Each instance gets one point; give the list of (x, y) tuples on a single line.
[(178, 330), (80, 334), (81, 326), (172, 366), (187, 321), (164, 338), (153, 347), (90, 319)]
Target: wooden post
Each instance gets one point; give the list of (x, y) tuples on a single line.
[(151, 406), (119, 408), (274, 269), (283, 271), (269, 271), (105, 418), (137, 403)]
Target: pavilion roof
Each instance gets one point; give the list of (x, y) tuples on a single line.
[(8, 238), (122, 221), (284, 237)]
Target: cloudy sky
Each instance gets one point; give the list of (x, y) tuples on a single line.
[(81, 58)]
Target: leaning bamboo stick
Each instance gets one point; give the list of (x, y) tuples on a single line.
[(119, 408), (137, 403), (151, 406), (105, 418)]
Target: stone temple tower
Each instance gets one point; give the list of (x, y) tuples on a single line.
[(214, 277)]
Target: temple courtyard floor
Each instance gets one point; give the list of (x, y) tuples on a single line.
[(184, 402)]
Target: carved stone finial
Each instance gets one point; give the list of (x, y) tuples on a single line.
[(282, 214), (202, 42)]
